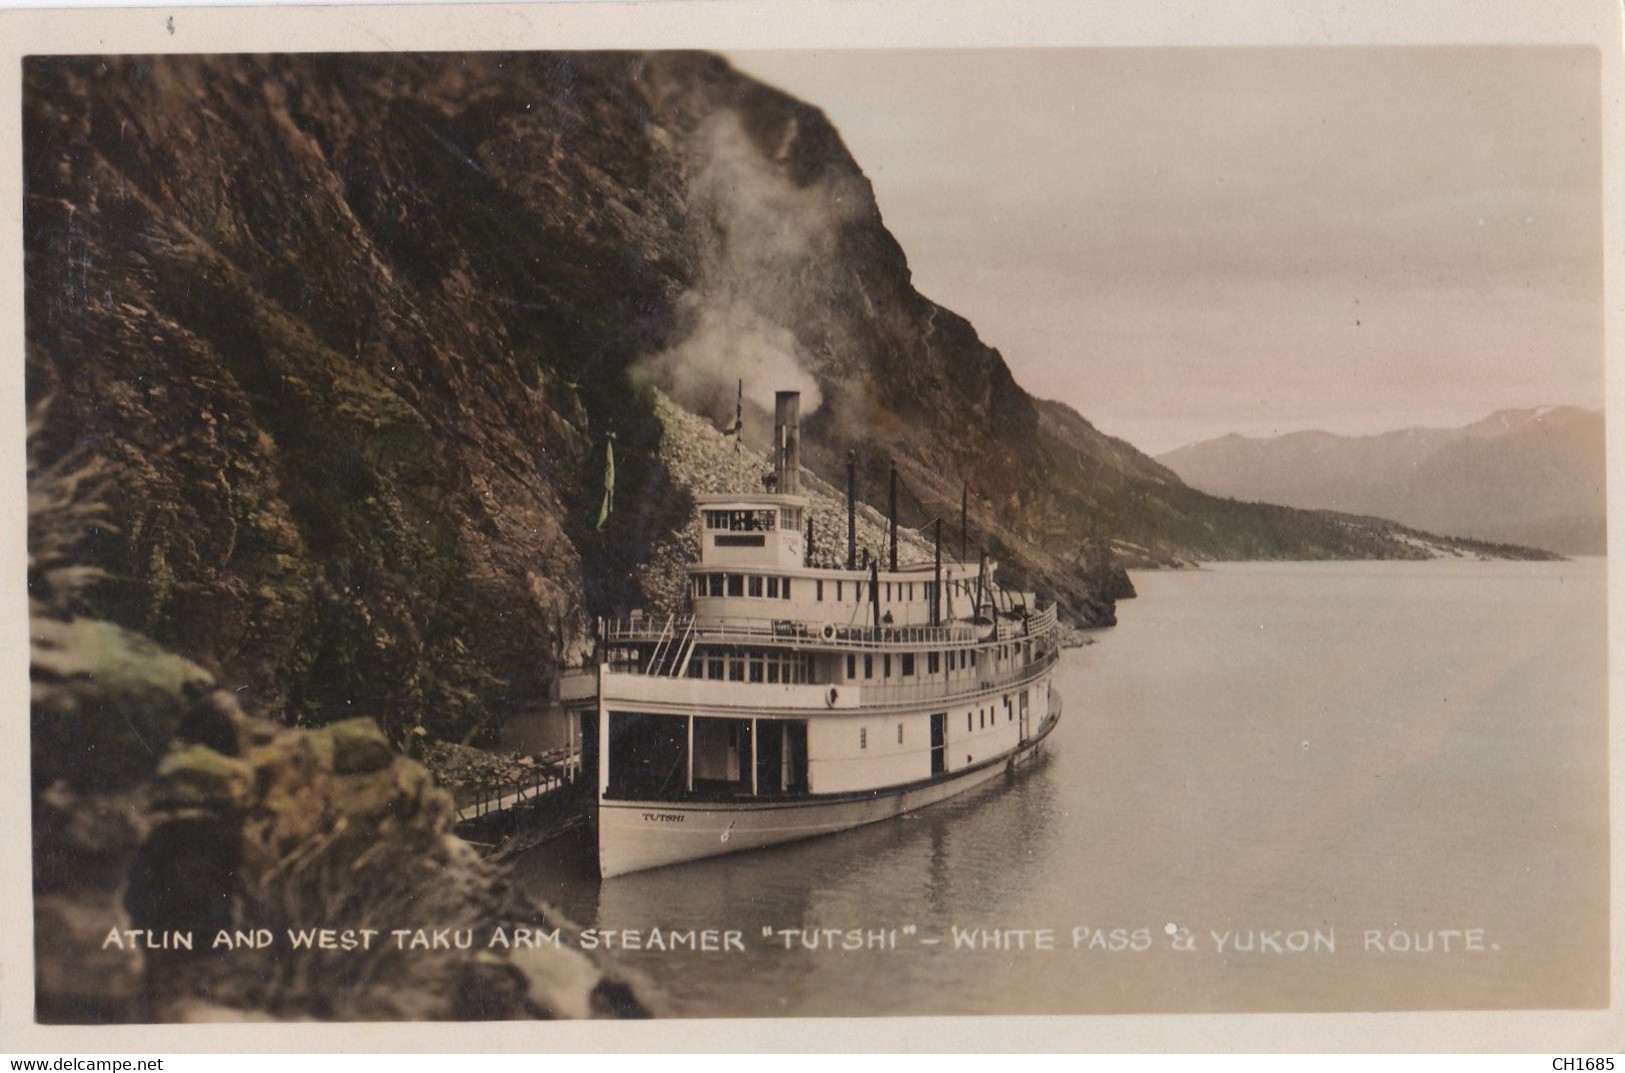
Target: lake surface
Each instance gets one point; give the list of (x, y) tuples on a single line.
[(1304, 752)]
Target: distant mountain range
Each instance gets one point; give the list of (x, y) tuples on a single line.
[(1532, 477)]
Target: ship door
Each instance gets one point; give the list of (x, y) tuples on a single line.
[(1021, 702), (781, 759), (795, 758), (939, 742)]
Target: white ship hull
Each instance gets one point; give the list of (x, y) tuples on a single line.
[(634, 836)]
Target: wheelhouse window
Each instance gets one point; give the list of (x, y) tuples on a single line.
[(715, 584), (754, 584), (736, 584), (772, 588), (741, 521)]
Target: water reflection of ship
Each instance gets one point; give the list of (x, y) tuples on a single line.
[(798, 699)]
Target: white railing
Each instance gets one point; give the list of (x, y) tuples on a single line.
[(825, 635), (953, 689)]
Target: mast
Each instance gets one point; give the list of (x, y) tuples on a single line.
[(874, 589), (894, 516), (936, 584), (851, 510), (964, 511), (981, 586)]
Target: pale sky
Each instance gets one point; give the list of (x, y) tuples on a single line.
[(1182, 243)]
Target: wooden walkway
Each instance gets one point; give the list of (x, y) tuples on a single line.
[(554, 774)]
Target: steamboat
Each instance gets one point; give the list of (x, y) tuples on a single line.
[(795, 700)]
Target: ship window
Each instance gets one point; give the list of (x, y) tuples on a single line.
[(863, 737), (899, 733), (784, 589), (868, 665), (736, 585), (908, 664), (736, 669), (756, 668), (888, 591), (981, 718), (713, 669), (911, 590), (839, 585), (968, 726), (696, 668), (773, 588), (851, 666), (754, 583), (714, 581), (773, 671), (857, 591), (885, 666), (818, 591), (973, 657), (933, 662)]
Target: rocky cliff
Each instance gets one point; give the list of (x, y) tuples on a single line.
[(353, 336)]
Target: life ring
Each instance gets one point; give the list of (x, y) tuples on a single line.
[(828, 632), (833, 696)]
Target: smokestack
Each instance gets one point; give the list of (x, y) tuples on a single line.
[(787, 440)]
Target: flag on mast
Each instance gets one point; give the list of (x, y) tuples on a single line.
[(739, 418), (609, 483)]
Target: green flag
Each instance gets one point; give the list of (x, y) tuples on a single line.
[(609, 483)]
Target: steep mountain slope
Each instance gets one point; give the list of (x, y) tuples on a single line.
[(352, 337), (1526, 476)]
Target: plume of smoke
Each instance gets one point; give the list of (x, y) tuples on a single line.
[(765, 246), (729, 342)]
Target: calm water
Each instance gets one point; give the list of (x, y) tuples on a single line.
[(1265, 748)]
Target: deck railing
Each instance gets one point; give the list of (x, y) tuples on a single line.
[(956, 689), (824, 635)]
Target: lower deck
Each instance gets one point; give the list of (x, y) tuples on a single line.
[(717, 756), (634, 835)]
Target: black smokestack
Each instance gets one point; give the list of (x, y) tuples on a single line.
[(787, 441)]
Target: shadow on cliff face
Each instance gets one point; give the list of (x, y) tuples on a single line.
[(160, 807)]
